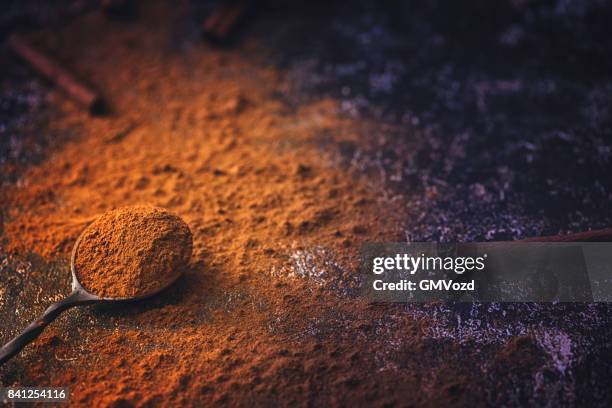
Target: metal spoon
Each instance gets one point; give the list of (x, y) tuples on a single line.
[(78, 297)]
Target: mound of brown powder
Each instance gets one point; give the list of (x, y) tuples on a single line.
[(132, 251), (263, 185)]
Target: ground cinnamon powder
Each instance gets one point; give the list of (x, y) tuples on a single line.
[(278, 207), (261, 185), (132, 252)]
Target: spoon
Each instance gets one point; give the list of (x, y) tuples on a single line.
[(79, 296)]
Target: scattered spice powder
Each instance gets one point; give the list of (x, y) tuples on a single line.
[(203, 134), (132, 252), (264, 315)]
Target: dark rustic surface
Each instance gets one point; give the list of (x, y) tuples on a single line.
[(511, 103)]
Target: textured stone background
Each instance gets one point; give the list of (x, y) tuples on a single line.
[(499, 128)]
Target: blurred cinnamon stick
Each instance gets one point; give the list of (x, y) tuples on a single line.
[(59, 75), (601, 235), (219, 25)]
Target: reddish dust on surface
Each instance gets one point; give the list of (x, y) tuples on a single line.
[(265, 314)]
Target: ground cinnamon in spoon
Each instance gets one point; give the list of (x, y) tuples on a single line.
[(132, 252)]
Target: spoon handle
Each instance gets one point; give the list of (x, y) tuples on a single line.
[(77, 297)]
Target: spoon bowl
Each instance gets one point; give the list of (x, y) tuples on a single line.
[(79, 296), (78, 287)]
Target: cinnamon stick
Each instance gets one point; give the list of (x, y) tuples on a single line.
[(59, 75), (601, 235), (224, 19)]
